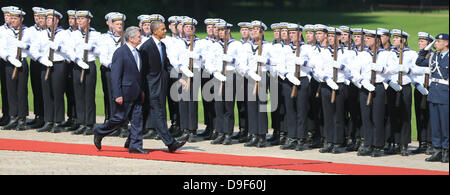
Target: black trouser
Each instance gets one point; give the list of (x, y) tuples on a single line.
[(278, 110), (107, 91), (257, 107), (422, 118), (174, 110), (152, 124), (352, 113), (296, 108), (188, 104), (85, 94), (5, 106), (70, 95), (37, 88), (224, 104), (401, 115), (53, 92), (17, 90), (333, 114), (372, 116), (209, 112), (242, 99), (315, 116)]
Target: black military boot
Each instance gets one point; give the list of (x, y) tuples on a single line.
[(421, 149), (21, 124), (365, 150), (445, 156), (219, 139), (429, 150), (81, 129), (436, 157), (57, 128), (227, 140), (46, 128), (75, 125), (261, 141), (327, 147), (404, 150), (300, 145), (192, 136), (338, 149), (184, 136), (253, 141), (90, 130), (4, 120), (275, 136), (377, 152), (12, 124), (245, 138), (290, 144)]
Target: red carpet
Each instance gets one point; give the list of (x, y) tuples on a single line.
[(213, 159)]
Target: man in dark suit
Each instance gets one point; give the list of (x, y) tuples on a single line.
[(154, 63), (127, 90)]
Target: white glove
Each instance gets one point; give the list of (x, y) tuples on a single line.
[(426, 70), (366, 84), (376, 67), (254, 76), (22, 45), (299, 61), (332, 84), (422, 89), (15, 62), (404, 69), (357, 84), (46, 62), (83, 65), (347, 82), (86, 46), (185, 70), (294, 80), (395, 86), (219, 76), (281, 76), (316, 77), (53, 45), (193, 55), (337, 65), (261, 59), (227, 58), (430, 46)]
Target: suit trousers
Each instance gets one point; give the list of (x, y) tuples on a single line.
[(422, 118), (85, 94), (439, 125), (17, 90), (53, 92)]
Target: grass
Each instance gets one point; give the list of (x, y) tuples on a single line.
[(412, 22)]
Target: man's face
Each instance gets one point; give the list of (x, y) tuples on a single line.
[(245, 33), (256, 32), (50, 23), (6, 16), (222, 33), (385, 39), (310, 36), (320, 36), (357, 39), (173, 28), (83, 22), (117, 26), (441, 44), (189, 30), (284, 34), (370, 41), (72, 21), (397, 41), (276, 33), (293, 36), (41, 21), (423, 43), (15, 21), (136, 40), (146, 28), (160, 32), (210, 30)]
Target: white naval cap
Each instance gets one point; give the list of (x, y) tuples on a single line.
[(275, 26), (294, 27), (245, 24), (41, 13), (71, 12), (108, 16), (52, 12), (222, 25), (384, 31), (189, 21), (84, 13), (424, 35), (283, 25), (117, 17), (17, 13), (397, 32), (372, 33), (157, 17), (320, 27), (37, 9), (141, 17), (7, 9), (333, 30), (173, 19), (346, 29), (257, 23), (308, 27), (210, 21), (357, 31)]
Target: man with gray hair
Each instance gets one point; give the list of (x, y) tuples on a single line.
[(128, 94)]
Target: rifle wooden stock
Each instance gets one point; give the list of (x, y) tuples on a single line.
[(86, 53), (52, 51), (373, 76), (335, 70), (297, 66), (400, 76), (19, 52)]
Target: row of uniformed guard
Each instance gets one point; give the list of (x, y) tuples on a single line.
[(318, 87)]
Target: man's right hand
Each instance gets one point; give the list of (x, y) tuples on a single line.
[(119, 100)]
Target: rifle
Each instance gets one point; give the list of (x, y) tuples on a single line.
[(255, 90), (191, 60), (426, 84), (320, 84), (19, 50), (400, 74), (86, 52), (297, 66), (52, 51), (224, 68), (374, 73), (335, 70)]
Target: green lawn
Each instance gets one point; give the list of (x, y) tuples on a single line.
[(411, 22)]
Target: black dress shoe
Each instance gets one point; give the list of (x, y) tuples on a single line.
[(46, 128), (227, 140), (377, 152), (57, 128), (338, 149), (192, 136), (404, 150), (138, 151), (4, 120), (184, 136), (206, 133), (89, 130), (219, 139), (98, 141), (151, 134), (436, 157), (327, 148), (175, 146), (73, 127), (300, 145), (80, 130), (12, 124), (290, 145), (365, 151), (275, 136), (261, 141), (21, 124), (37, 123), (252, 142), (124, 132), (421, 149), (429, 150), (245, 138), (445, 156), (67, 123)]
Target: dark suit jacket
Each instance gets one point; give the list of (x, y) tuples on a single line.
[(127, 81), (153, 68)]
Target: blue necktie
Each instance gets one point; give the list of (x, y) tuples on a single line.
[(136, 58), (161, 52)]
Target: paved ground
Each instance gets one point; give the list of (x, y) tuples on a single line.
[(31, 163)]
